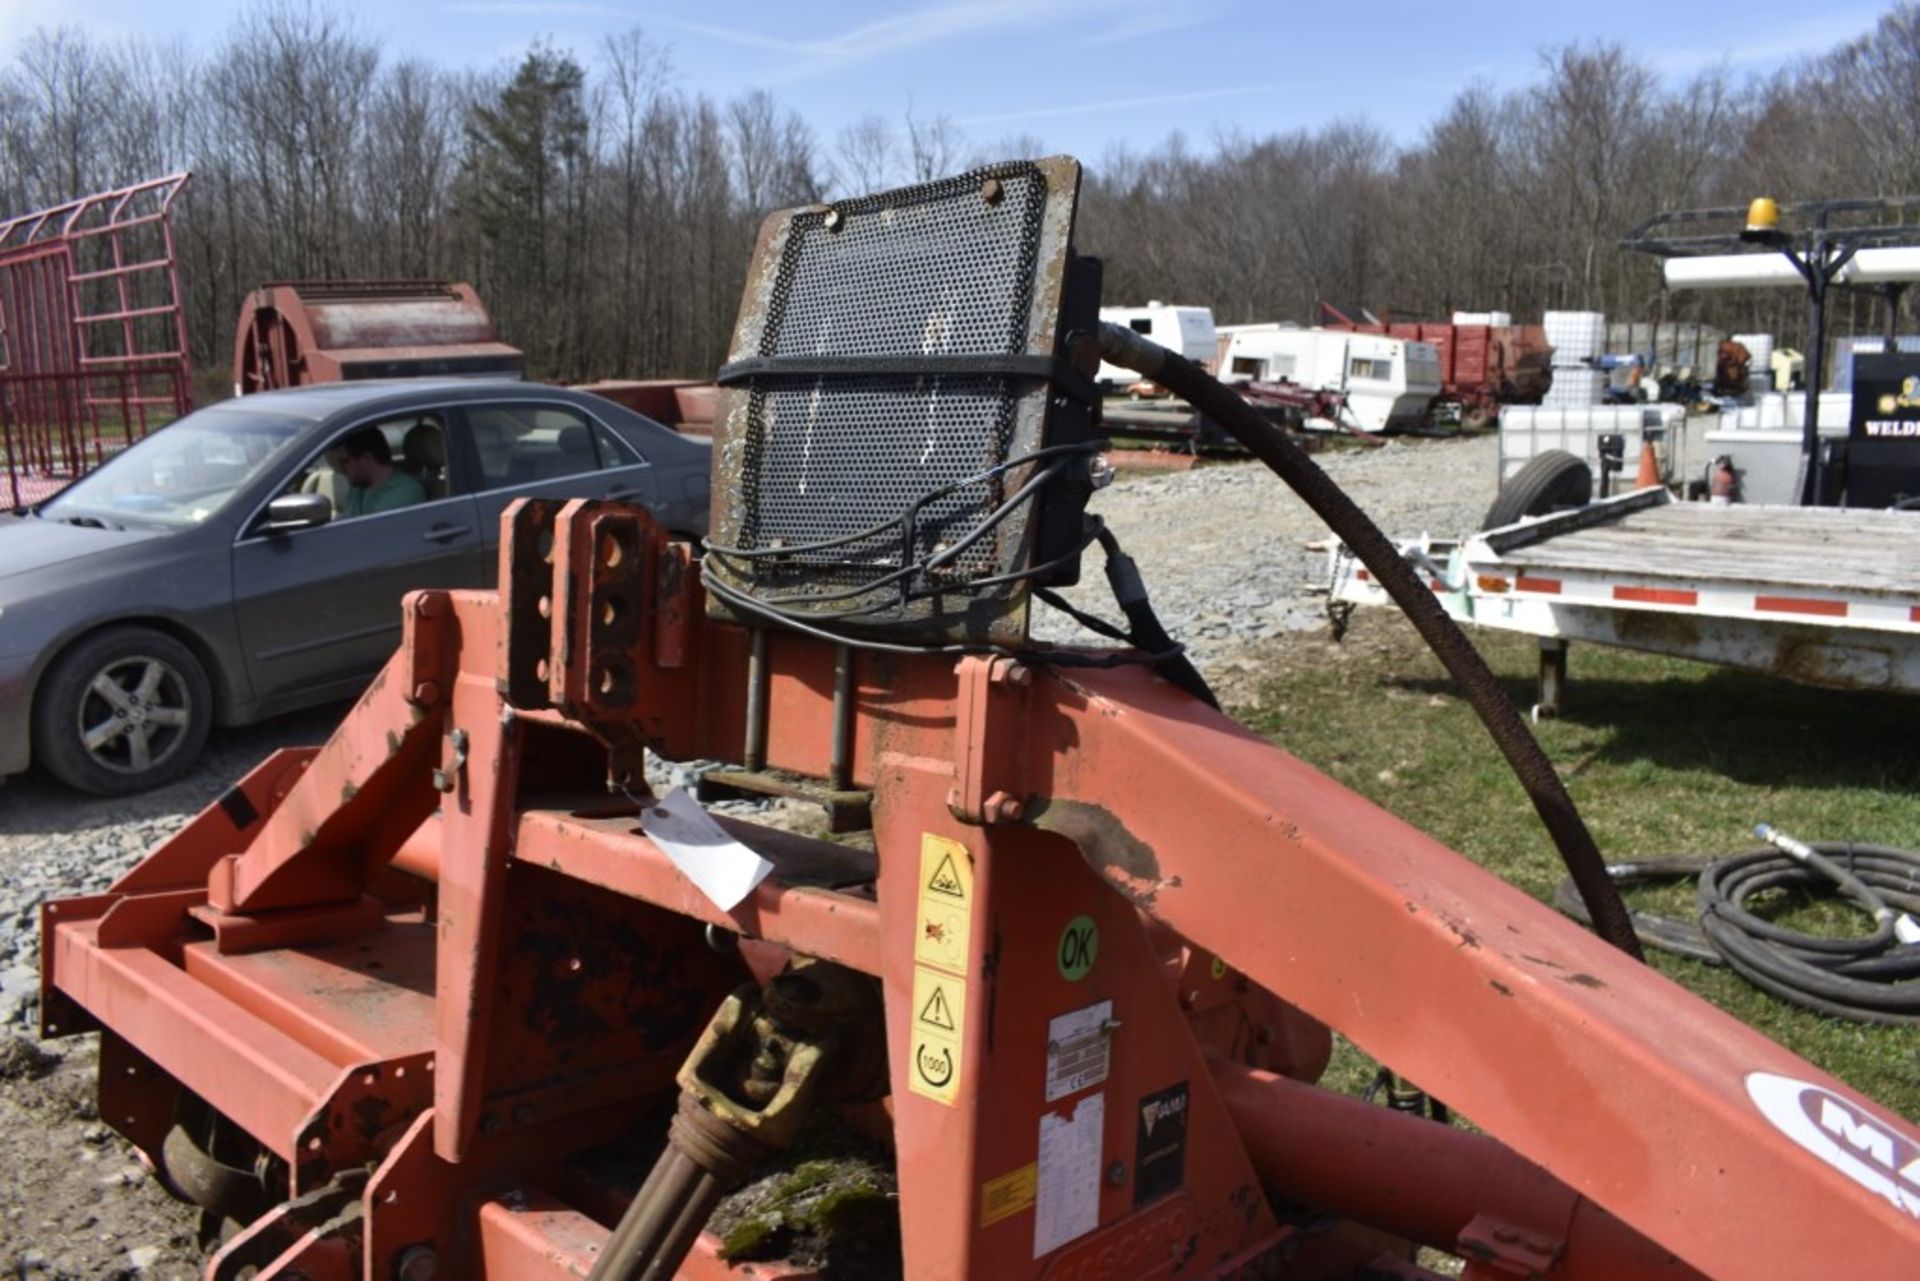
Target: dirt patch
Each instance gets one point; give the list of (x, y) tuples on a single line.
[(76, 1204)]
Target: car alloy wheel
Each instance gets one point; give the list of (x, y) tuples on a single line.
[(134, 714)]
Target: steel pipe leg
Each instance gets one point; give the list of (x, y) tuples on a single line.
[(1553, 677)]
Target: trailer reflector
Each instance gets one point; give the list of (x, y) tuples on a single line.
[(1657, 595), (1800, 605)]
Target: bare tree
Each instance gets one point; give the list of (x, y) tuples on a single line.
[(606, 212), (933, 146), (866, 155)]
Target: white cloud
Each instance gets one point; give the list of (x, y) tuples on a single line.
[(896, 33), (1115, 104), (1783, 43), (1150, 22)]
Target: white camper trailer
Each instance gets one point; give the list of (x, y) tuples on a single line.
[(1187, 330), (1389, 382)]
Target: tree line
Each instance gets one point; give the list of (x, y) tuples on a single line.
[(605, 211)]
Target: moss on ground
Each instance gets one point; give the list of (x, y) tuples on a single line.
[(831, 1203)]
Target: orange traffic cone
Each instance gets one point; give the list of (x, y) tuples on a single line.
[(1649, 467)]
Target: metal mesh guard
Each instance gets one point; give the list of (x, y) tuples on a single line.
[(950, 268)]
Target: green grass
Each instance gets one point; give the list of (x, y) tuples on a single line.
[(1662, 756)]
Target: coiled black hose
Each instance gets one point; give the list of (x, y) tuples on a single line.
[(1270, 444), (1869, 978)]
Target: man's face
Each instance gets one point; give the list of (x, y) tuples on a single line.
[(360, 469)]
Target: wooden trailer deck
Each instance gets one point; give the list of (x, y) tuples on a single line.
[(1817, 550), (1820, 595)]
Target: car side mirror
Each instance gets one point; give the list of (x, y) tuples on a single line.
[(297, 511)]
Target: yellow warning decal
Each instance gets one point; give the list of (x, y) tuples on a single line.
[(934, 1065), (1006, 1196), (944, 924)]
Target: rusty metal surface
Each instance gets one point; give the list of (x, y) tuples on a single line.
[(295, 333), (800, 459)]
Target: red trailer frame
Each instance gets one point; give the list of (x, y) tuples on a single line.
[(93, 348)]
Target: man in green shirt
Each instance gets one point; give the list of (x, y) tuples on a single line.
[(377, 485)]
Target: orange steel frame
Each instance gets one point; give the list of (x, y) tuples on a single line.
[(438, 949)]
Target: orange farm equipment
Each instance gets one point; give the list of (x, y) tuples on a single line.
[(294, 333), (458, 995)]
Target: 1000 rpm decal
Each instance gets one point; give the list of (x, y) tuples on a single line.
[(1870, 1151)]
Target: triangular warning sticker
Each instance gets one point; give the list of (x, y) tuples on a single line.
[(935, 1012), (946, 879)]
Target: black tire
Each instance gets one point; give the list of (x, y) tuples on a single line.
[(1549, 482), (110, 743)]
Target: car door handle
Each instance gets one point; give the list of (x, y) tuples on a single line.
[(445, 533)]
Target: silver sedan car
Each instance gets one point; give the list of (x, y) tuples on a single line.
[(249, 558)]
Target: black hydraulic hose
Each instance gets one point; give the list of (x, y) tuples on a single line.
[(1147, 633), (1342, 515), (1682, 938), (1869, 978)]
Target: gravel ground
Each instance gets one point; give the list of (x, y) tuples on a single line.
[(1222, 549)]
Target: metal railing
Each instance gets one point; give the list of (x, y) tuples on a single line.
[(56, 427), (93, 351)]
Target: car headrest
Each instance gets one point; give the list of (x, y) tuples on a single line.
[(574, 441), (423, 446)]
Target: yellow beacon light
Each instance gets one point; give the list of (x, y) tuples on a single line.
[(1763, 217)]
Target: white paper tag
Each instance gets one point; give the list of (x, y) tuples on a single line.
[(1068, 1201), (1079, 1050), (720, 867), (1906, 929)]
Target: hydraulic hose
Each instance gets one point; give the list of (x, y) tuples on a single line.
[(1270, 444), (1868, 978)]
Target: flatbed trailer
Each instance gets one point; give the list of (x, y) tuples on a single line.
[(1823, 596)]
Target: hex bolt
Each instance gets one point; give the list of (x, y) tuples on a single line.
[(992, 190), (834, 220), (1007, 671), (417, 1263), (1004, 807), (426, 693), (1117, 1173)]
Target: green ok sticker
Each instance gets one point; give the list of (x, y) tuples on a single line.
[(1079, 945)]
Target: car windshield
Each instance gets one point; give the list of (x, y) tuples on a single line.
[(180, 475)]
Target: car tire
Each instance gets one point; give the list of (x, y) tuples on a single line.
[(1546, 483), (111, 743)]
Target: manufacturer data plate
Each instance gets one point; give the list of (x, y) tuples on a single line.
[(1079, 1050)]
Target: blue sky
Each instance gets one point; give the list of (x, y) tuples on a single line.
[(1078, 74)]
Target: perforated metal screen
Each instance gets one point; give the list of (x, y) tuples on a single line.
[(815, 465)]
